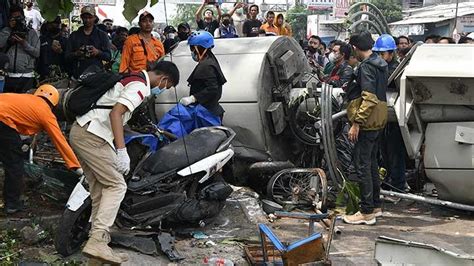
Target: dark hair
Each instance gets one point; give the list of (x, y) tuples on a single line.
[(258, 9), (208, 9), (183, 25), (397, 41), (433, 37), (119, 30), (464, 39), (225, 15), (316, 38), (107, 20), (17, 8), (270, 13), (133, 30), (345, 49), (450, 40), (363, 41), (280, 15), (324, 45), (169, 69)]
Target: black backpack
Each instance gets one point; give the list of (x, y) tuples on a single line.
[(93, 84)]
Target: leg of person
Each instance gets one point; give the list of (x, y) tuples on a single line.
[(363, 150), (95, 190), (374, 169), (100, 158), (12, 159), (396, 156)]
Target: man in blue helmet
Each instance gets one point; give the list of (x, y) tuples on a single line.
[(206, 80), (393, 147), (385, 46)]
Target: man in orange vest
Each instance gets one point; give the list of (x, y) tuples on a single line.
[(141, 49), (26, 114)]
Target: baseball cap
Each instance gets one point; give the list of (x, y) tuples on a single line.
[(145, 14), (88, 10)]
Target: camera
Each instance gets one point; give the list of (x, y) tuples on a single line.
[(87, 50), (20, 29)]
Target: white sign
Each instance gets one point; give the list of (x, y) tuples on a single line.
[(95, 2)]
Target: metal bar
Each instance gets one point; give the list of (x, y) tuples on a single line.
[(438, 202), (301, 215), (330, 235)]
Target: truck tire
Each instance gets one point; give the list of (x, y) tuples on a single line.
[(73, 229)]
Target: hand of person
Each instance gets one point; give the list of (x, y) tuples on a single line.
[(239, 5), (79, 171), (19, 40), (94, 51), (122, 161), (80, 52), (354, 133), (187, 100)]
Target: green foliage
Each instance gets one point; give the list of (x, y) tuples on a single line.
[(349, 196), (9, 247), (185, 13), (391, 9), (298, 17), (52, 8)]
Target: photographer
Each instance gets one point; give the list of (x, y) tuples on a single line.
[(52, 49), (208, 24), (88, 45), (22, 46)]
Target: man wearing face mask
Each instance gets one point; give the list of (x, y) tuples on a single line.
[(208, 24), (97, 137), (316, 59), (183, 31), (88, 45), (206, 80), (238, 17), (171, 39), (226, 30), (52, 48), (341, 73)]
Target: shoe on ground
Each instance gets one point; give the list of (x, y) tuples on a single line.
[(360, 218), (377, 212), (97, 248)]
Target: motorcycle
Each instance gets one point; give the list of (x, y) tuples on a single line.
[(180, 182)]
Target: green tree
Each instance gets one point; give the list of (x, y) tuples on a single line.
[(186, 13), (298, 17), (51, 8), (391, 9)]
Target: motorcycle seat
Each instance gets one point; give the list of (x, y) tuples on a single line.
[(200, 144)]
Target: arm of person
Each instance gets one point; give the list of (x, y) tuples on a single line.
[(369, 98), (32, 45), (219, 12), (51, 127), (126, 55), (199, 11), (116, 121), (237, 6), (4, 35)]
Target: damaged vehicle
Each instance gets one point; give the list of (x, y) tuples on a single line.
[(180, 182)]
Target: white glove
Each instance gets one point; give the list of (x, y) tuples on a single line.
[(79, 171), (187, 100), (123, 161)]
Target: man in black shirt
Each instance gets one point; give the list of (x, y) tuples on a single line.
[(208, 24), (52, 48), (251, 26), (88, 45)]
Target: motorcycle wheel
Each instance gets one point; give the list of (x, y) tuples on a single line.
[(73, 229)]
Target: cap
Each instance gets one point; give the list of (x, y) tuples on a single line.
[(88, 10), (169, 29), (145, 14)]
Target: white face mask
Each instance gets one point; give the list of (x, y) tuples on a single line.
[(332, 57), (171, 35)]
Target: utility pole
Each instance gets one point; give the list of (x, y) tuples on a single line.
[(456, 17)]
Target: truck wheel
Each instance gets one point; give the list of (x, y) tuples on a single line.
[(73, 229)]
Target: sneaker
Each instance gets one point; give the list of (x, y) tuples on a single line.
[(377, 212), (360, 218)]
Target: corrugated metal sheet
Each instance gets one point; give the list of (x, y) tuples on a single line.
[(433, 14)]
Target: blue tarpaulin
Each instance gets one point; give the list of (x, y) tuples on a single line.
[(181, 120)]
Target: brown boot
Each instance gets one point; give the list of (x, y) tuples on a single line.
[(97, 248), (360, 218)]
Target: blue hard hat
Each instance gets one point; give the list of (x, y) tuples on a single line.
[(384, 43), (201, 38)]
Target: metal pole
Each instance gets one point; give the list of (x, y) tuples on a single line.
[(166, 13), (438, 202)]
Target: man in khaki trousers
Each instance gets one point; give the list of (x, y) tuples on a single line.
[(97, 138)]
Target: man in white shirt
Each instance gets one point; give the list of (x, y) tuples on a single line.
[(98, 140), (33, 16)]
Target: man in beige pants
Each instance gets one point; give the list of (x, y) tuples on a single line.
[(97, 138)]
